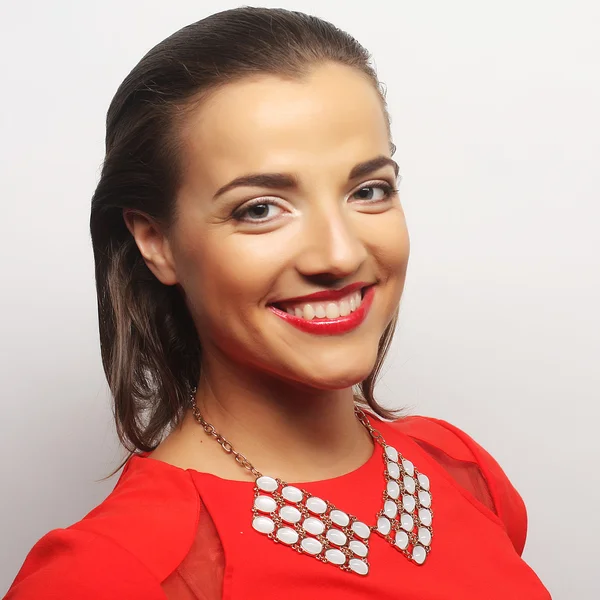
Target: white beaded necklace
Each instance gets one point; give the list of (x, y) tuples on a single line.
[(315, 527)]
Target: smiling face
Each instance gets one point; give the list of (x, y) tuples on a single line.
[(288, 189)]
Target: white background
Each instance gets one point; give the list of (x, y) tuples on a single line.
[(495, 109)]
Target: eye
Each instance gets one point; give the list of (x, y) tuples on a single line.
[(374, 191), (256, 211)]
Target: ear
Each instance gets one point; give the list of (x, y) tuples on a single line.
[(152, 244)]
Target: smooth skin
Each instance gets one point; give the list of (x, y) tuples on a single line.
[(281, 396)]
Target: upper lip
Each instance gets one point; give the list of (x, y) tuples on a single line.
[(333, 294)]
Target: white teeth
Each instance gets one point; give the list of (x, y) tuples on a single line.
[(330, 310), (344, 308)]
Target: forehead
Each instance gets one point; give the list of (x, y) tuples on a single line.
[(330, 119)]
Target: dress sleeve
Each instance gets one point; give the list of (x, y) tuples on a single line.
[(68, 563), (474, 469)]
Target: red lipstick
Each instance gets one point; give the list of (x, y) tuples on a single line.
[(331, 295), (330, 326)]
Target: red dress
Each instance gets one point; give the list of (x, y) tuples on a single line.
[(169, 533)]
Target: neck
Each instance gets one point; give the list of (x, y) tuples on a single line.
[(282, 428)]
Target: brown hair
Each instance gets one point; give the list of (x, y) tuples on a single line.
[(150, 349)]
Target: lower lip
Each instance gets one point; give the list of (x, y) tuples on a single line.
[(330, 326)]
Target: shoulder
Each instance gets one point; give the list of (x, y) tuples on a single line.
[(442, 435), (468, 462), (123, 548)]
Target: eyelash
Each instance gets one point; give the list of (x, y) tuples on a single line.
[(388, 191)]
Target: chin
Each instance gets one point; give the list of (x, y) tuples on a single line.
[(332, 378)]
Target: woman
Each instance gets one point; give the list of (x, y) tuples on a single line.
[(251, 253)]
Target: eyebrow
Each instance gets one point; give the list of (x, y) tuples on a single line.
[(287, 181)]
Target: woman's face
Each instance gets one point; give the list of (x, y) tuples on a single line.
[(236, 248)]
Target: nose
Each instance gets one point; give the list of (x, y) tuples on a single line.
[(330, 245)]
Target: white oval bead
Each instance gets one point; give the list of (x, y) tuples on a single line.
[(401, 539), (393, 470), (408, 467), (391, 453), (292, 494), (266, 484), (287, 535), (339, 518), (335, 536), (290, 514), (419, 554), (337, 557), (425, 516), (263, 524), (409, 503), (406, 522), (425, 498), (358, 548), (362, 530), (359, 566), (423, 481), (313, 526), (311, 546), (390, 509), (316, 505), (393, 489), (265, 504), (409, 484), (383, 525), (424, 536)]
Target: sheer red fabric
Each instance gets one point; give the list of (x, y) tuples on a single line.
[(200, 574), (466, 474)]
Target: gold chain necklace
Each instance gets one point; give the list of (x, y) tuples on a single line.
[(315, 527)]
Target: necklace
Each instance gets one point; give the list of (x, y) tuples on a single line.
[(315, 527)]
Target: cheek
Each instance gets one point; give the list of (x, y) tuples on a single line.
[(221, 276), (401, 251), (393, 252), (389, 244)]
